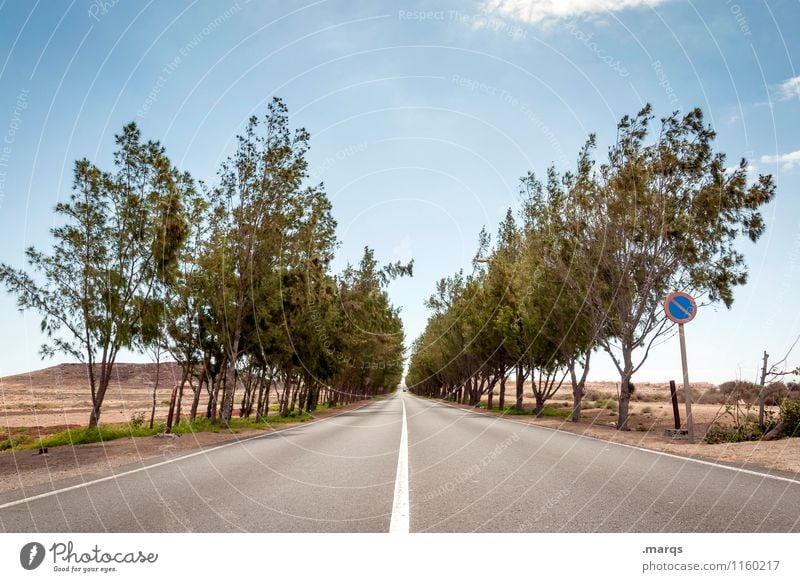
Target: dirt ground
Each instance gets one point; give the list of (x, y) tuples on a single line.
[(56, 398), (25, 469), (651, 413)]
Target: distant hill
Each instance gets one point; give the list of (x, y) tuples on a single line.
[(128, 376)]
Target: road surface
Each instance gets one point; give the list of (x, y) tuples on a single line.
[(456, 471)]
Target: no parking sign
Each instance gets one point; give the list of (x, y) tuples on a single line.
[(681, 308)]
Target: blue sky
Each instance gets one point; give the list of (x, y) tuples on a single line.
[(423, 116)]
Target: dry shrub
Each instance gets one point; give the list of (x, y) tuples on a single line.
[(599, 395), (733, 391)]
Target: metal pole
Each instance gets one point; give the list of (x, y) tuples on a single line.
[(762, 392), (673, 392), (687, 391)]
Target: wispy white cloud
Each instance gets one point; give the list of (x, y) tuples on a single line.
[(534, 11), (787, 161), (789, 89)]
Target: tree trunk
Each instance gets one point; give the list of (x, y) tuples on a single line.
[(520, 384), (260, 401), (775, 433), (295, 392), (195, 398), (578, 388), (539, 404), (624, 400), (501, 401), (97, 399), (213, 399), (179, 400), (229, 391), (155, 393), (94, 416)]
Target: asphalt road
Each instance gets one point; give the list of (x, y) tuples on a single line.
[(458, 472)]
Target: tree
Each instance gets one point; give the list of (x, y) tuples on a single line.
[(121, 235), (556, 250), (259, 204), (664, 216), (594, 255)]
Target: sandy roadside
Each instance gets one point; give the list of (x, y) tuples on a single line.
[(24, 470), (781, 455)]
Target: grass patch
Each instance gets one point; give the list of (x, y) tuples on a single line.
[(608, 404), (203, 424), (14, 442), (137, 428), (547, 411), (102, 433)]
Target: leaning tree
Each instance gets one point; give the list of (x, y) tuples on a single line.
[(663, 215), (120, 238)]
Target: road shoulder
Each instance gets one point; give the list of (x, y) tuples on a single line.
[(25, 473), (781, 457)]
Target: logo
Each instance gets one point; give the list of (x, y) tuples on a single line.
[(31, 555)]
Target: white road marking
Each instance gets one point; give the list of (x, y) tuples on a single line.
[(401, 509), (642, 449), (176, 459)]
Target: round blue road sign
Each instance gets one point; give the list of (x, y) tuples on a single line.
[(680, 307)]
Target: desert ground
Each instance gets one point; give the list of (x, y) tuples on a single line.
[(651, 413)]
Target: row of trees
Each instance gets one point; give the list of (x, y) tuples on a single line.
[(586, 264), (232, 280)]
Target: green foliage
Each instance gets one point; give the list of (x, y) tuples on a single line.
[(14, 442), (137, 428), (790, 416), (101, 433), (547, 411), (608, 404), (741, 425), (137, 420), (233, 279), (589, 260), (116, 243), (723, 433)]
